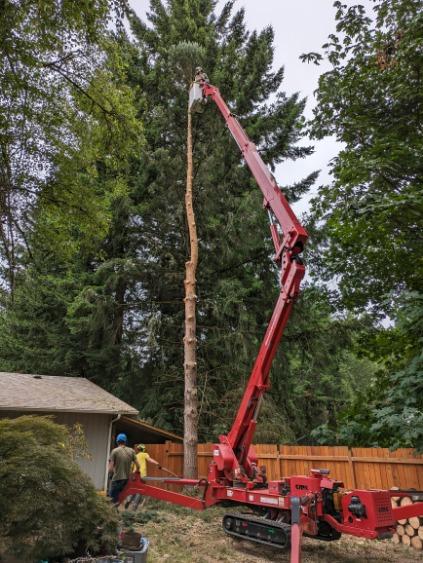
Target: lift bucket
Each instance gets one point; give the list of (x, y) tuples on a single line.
[(196, 99)]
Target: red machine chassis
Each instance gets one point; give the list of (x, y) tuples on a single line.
[(314, 505)]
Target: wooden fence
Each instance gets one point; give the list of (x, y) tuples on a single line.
[(361, 468)]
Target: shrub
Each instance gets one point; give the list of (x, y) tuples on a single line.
[(49, 508)]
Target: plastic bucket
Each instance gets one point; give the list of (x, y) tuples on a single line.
[(136, 555)]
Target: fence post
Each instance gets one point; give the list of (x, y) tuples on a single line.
[(352, 469), (280, 462)]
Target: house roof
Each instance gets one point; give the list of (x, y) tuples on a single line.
[(29, 392)]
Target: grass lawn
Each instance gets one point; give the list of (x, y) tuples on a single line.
[(180, 535)]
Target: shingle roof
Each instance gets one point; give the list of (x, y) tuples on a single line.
[(19, 391)]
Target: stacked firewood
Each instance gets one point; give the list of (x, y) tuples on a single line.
[(409, 530)]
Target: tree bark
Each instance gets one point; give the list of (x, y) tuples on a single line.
[(190, 340)]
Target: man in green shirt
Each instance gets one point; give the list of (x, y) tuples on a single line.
[(120, 463)]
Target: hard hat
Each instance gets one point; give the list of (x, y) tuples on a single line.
[(141, 447), (121, 438)]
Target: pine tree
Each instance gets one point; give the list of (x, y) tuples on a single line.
[(235, 277)]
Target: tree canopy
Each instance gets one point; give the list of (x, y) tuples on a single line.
[(93, 230), (371, 239)]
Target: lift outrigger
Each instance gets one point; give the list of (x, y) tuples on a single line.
[(281, 511)]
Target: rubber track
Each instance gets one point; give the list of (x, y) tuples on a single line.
[(281, 525)]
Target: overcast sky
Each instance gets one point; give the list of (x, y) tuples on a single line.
[(300, 26)]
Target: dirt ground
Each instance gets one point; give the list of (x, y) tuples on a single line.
[(178, 535)]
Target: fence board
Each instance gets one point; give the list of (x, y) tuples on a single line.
[(360, 468), (267, 455)]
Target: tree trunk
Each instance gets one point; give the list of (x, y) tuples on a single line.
[(190, 340)]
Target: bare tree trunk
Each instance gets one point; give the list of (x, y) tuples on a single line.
[(7, 234), (190, 340)]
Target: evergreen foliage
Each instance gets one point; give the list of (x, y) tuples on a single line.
[(235, 277)]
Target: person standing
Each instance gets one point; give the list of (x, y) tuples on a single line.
[(120, 463), (143, 457)]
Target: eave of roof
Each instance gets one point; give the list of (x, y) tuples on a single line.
[(132, 412), (143, 424)]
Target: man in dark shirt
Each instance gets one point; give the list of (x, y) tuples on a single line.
[(120, 463)]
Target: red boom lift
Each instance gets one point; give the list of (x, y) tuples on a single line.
[(280, 512)]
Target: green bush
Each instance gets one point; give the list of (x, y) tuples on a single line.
[(49, 508)]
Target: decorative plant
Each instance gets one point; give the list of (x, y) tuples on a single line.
[(49, 508)]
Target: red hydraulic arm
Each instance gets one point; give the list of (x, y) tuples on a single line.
[(289, 238)]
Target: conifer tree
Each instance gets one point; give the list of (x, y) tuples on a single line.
[(235, 276)]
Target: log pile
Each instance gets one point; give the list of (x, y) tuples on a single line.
[(409, 530)]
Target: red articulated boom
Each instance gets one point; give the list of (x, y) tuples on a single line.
[(280, 512)]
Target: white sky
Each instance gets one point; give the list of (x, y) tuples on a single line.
[(300, 26)]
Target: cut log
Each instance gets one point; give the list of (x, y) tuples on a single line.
[(420, 532), (406, 540), (396, 539), (409, 530), (415, 522), (400, 530), (417, 543), (395, 500), (403, 521)]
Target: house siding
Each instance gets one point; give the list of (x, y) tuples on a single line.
[(96, 428)]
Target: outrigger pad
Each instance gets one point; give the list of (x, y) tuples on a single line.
[(196, 99)]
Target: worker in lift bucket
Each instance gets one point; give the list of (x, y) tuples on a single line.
[(143, 458), (121, 461)]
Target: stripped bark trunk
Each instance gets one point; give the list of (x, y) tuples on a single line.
[(190, 340)]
